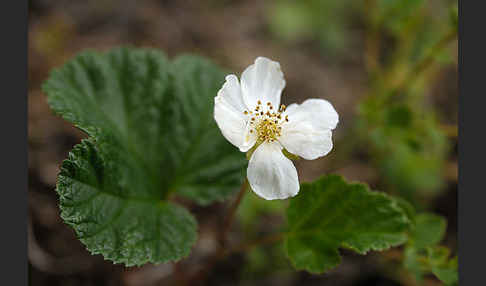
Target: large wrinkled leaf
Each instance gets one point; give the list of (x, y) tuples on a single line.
[(160, 111), (98, 199), (152, 134), (330, 213), (206, 166)]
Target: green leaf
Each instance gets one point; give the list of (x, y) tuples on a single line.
[(108, 216), (160, 112), (445, 270), (331, 213), (448, 275), (429, 230), (441, 266), (423, 255), (152, 134), (207, 167)]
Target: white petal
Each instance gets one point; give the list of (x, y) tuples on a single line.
[(272, 175), (318, 112), (291, 108), (306, 142), (228, 111), (231, 93), (249, 138), (308, 133), (263, 81)]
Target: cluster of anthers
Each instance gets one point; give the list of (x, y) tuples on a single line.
[(267, 123)]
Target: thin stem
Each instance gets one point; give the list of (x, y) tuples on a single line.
[(221, 252), (231, 213)]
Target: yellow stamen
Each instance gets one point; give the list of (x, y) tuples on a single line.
[(266, 124)]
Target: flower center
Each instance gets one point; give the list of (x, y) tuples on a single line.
[(266, 121)]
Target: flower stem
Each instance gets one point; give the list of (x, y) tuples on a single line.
[(231, 214), (221, 252)]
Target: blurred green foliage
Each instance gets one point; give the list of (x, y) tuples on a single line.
[(404, 44), (328, 22), (412, 26), (402, 40), (407, 146)]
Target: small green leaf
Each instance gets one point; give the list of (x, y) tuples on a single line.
[(423, 255), (429, 230), (151, 134), (330, 213), (441, 266), (448, 273)]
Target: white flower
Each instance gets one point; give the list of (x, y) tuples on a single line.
[(249, 115)]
